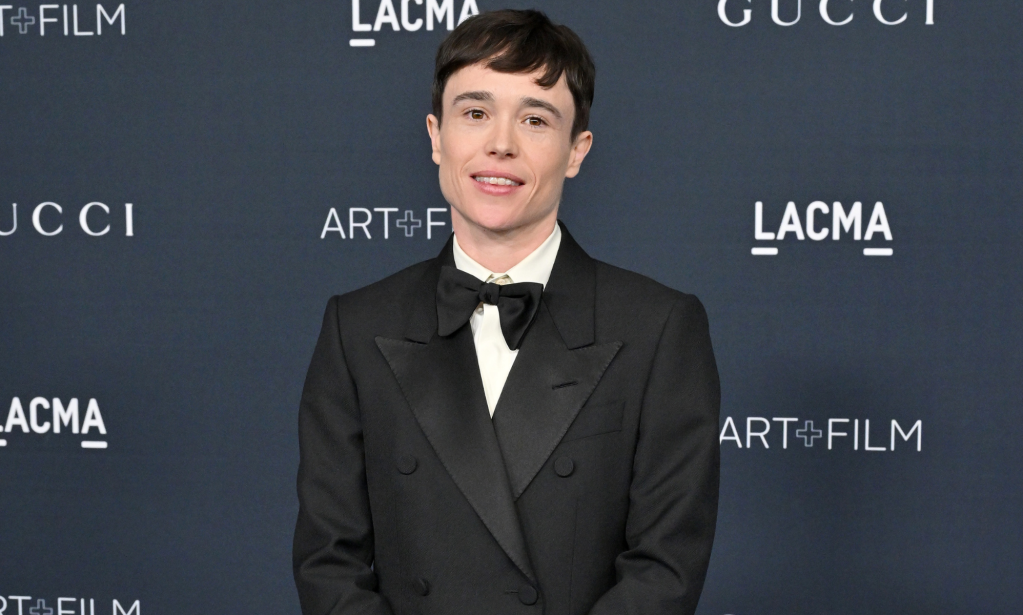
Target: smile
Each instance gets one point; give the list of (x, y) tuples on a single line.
[(497, 181)]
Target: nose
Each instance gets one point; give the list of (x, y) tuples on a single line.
[(502, 142)]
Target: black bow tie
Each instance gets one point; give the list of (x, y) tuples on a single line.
[(459, 293)]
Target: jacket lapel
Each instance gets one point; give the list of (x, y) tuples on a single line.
[(439, 378), (558, 367), (556, 370), (546, 388)]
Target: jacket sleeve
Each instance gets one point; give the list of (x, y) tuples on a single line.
[(673, 496), (333, 548)]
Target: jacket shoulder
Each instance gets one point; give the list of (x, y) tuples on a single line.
[(637, 303), (382, 298), (630, 288)]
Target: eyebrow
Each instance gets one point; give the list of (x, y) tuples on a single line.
[(475, 95), (529, 101)]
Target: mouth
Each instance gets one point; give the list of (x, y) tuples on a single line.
[(496, 183), (496, 178)]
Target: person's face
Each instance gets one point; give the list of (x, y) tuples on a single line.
[(504, 147)]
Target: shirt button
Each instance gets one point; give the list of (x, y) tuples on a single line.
[(564, 466), (422, 586), (528, 595), (407, 464)]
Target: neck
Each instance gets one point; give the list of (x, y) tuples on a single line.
[(501, 250)]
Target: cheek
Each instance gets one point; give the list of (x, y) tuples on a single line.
[(550, 165), (447, 165), (450, 171), (454, 155)]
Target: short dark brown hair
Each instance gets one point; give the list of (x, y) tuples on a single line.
[(511, 41)]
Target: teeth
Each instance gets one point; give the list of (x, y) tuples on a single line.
[(497, 181)]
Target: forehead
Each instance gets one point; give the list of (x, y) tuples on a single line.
[(505, 87)]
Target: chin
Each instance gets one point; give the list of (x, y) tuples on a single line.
[(495, 219)]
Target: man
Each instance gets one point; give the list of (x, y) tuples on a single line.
[(511, 427)]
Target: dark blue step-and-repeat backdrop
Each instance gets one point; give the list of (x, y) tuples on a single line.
[(183, 185)]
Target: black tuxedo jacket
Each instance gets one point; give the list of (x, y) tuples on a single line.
[(592, 490)]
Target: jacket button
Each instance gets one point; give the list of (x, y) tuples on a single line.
[(407, 464), (564, 466), (527, 595), (422, 586)]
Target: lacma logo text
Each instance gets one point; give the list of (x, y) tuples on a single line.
[(46, 416), (845, 222), (61, 19), (412, 19)]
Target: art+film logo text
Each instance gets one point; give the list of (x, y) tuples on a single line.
[(833, 433), (383, 223), (61, 20), (31, 605)]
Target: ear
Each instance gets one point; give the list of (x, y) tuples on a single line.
[(580, 147), (433, 127)]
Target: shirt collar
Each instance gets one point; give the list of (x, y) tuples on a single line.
[(536, 267)]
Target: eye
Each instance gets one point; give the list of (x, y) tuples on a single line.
[(476, 114), (536, 121)]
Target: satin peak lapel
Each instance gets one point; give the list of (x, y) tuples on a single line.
[(547, 386), (441, 383)]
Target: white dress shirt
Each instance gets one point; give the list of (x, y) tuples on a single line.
[(492, 352)]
